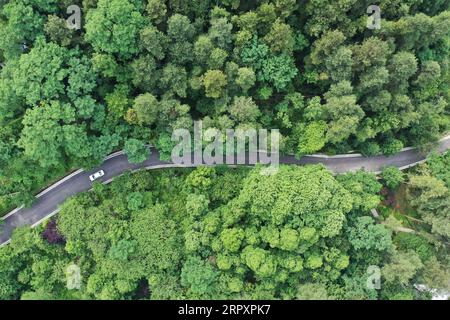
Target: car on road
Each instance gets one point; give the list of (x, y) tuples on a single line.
[(96, 175)]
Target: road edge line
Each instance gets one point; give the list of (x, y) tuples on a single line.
[(177, 166)]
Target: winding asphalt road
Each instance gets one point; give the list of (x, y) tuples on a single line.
[(47, 202)]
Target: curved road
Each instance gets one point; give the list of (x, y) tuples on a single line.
[(47, 202)]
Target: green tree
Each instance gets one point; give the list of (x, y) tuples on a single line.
[(24, 23), (402, 267), (143, 71), (365, 189), (312, 291), (197, 204), (244, 109), (174, 80), (122, 249), (220, 31), (39, 73), (435, 275), (118, 101), (179, 28), (430, 197), (55, 28), (312, 138), (342, 112), (146, 109), (217, 58), (246, 78), (156, 10), (279, 71), (154, 41), (135, 201), (51, 133), (203, 48), (232, 239), (280, 38), (392, 146), (158, 242), (401, 68), (365, 234), (259, 261)]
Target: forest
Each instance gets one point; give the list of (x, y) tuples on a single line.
[(136, 70)]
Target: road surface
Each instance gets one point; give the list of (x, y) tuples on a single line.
[(48, 201)]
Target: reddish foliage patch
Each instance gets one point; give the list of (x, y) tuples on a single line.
[(51, 233)]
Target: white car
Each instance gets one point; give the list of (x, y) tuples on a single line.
[(96, 175)]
